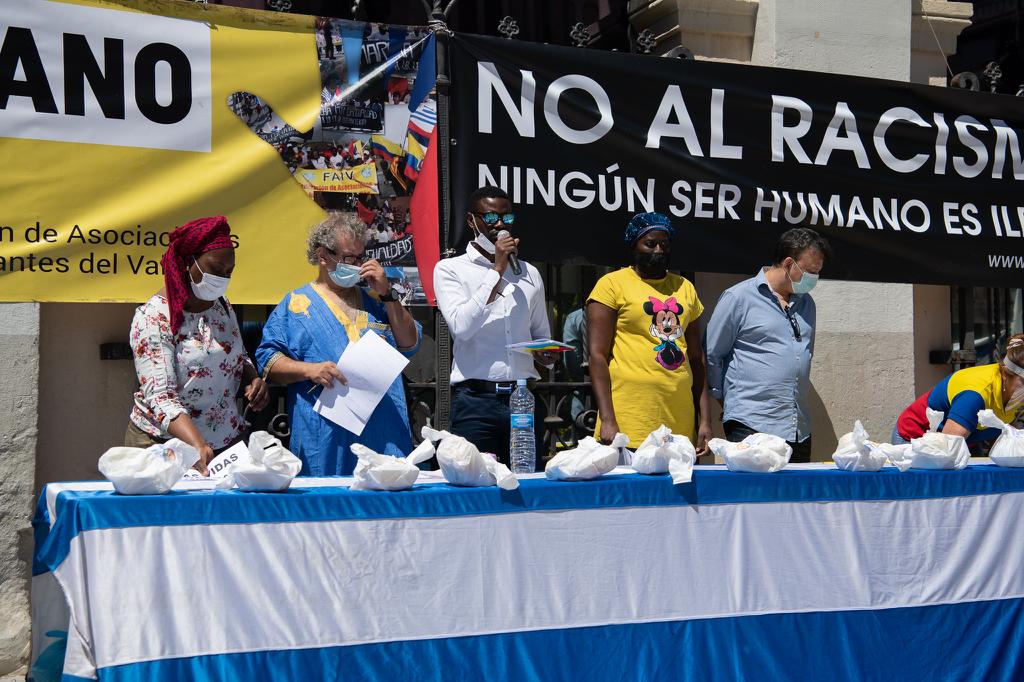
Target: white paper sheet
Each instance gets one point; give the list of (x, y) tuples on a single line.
[(370, 364), (218, 466)]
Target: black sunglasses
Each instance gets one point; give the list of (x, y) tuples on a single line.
[(793, 323), (490, 219)]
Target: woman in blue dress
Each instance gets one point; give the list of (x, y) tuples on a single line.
[(309, 330)]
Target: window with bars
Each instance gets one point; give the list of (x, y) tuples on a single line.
[(982, 321)]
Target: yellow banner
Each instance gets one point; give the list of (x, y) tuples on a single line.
[(117, 129), (360, 179)]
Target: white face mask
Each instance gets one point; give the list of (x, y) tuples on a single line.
[(210, 287), (482, 241)]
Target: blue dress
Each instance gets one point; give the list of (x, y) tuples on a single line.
[(306, 327)]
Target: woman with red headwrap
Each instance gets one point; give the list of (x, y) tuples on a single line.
[(188, 349)]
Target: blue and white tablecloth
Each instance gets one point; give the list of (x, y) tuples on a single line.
[(809, 573)]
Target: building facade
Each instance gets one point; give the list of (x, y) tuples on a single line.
[(62, 405)]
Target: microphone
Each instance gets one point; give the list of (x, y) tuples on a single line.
[(513, 258)]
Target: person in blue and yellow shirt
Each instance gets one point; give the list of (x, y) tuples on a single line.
[(960, 396)]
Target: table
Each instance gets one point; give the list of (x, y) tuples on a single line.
[(809, 573)]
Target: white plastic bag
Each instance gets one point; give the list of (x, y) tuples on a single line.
[(463, 464), (856, 453), (375, 471), (271, 467), (759, 453), (1008, 450), (936, 450), (587, 460), (664, 451), (150, 471), (900, 455)]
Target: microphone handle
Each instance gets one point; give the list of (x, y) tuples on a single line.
[(513, 258)]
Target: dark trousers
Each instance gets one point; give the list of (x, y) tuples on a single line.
[(736, 431), (484, 420)]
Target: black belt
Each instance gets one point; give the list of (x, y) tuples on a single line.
[(498, 387)]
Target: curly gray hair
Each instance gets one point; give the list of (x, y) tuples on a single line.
[(325, 233)]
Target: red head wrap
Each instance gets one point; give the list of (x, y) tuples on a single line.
[(187, 242)]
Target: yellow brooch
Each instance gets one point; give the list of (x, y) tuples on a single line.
[(298, 304)]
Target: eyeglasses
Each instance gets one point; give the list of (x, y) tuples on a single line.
[(793, 323), (490, 219), (347, 260)]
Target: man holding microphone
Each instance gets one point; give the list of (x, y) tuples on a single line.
[(491, 300)]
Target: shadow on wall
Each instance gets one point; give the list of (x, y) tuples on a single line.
[(83, 401), (823, 433)]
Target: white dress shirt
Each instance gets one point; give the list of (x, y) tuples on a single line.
[(481, 330)]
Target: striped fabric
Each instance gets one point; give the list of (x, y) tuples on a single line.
[(891, 576)]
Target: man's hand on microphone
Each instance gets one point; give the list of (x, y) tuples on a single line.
[(502, 248)]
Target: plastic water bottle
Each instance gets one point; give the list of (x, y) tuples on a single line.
[(523, 445)]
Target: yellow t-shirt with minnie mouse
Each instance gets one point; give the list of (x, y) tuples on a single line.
[(650, 363)]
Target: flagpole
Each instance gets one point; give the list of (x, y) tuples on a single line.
[(442, 409)]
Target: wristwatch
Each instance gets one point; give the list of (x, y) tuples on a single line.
[(388, 297)]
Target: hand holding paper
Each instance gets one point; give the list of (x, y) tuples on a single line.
[(371, 365)]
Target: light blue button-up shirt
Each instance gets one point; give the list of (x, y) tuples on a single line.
[(756, 365)]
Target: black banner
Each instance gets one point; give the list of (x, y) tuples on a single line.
[(347, 115), (910, 183), (397, 252)]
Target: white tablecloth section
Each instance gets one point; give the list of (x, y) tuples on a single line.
[(810, 573)]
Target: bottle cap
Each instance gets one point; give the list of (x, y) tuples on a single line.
[(520, 382)]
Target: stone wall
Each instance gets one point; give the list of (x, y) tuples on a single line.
[(19, 409)]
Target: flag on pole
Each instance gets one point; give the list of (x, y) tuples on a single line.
[(423, 120), (367, 215), (417, 138), (426, 74), (423, 207), (415, 152), (385, 148)]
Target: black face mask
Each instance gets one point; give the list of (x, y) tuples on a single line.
[(650, 261)]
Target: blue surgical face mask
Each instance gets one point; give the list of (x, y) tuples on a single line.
[(345, 275), (806, 283)]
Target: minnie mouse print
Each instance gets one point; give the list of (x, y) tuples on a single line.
[(665, 327)]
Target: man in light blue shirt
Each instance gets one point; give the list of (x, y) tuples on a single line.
[(759, 344)]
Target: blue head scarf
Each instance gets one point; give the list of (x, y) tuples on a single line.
[(642, 223)]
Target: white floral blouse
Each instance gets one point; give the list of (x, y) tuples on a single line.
[(196, 371)]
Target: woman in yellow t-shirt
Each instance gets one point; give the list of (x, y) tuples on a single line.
[(646, 362)]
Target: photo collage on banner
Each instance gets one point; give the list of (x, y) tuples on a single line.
[(365, 151)]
